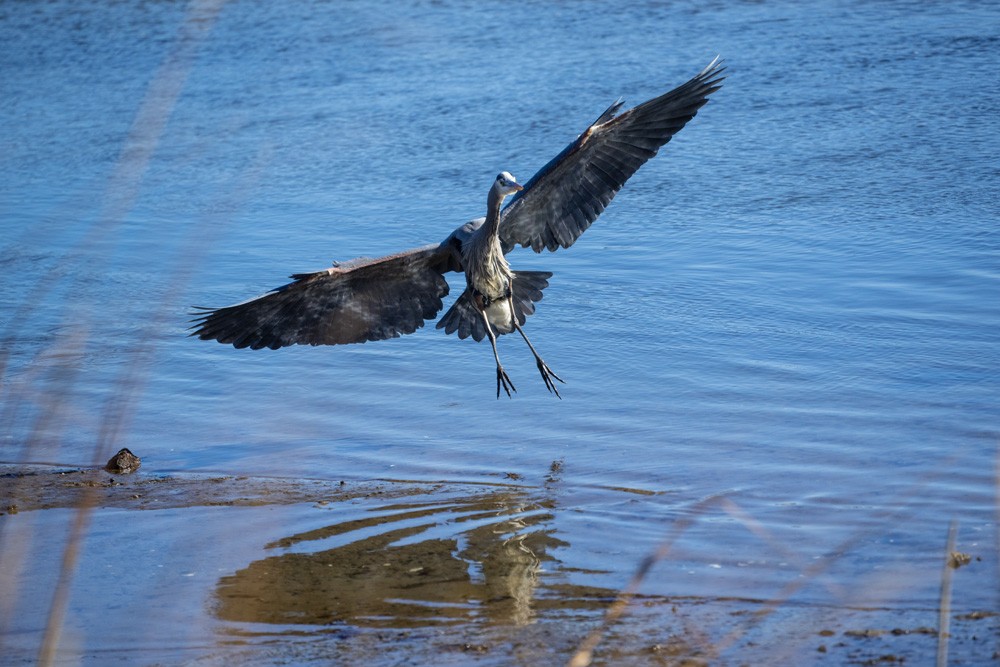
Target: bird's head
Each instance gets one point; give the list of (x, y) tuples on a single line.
[(506, 184)]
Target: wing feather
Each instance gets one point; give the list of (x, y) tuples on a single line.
[(564, 198), (354, 302)]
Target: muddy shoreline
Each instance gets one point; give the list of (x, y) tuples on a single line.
[(36, 487)]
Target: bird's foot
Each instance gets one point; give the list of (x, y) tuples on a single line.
[(547, 376), (503, 380)]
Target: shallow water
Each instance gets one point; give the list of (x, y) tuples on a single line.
[(793, 306)]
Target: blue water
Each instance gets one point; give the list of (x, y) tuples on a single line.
[(794, 305)]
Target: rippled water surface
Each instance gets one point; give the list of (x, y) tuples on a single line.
[(781, 341)]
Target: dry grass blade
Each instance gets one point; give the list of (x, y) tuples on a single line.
[(585, 651), (899, 509), (123, 187), (56, 373), (118, 411), (944, 606)]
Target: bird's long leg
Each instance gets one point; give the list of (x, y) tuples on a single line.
[(502, 378), (543, 368)]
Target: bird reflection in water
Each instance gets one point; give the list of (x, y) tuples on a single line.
[(409, 565)]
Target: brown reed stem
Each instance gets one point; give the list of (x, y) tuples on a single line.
[(944, 604)]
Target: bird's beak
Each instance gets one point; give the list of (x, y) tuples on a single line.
[(517, 186)]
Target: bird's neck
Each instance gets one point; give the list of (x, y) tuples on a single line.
[(486, 269), (492, 224)]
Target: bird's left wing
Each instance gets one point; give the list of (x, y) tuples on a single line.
[(561, 201), (352, 302)]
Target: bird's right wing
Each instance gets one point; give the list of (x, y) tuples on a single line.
[(561, 201), (353, 302)]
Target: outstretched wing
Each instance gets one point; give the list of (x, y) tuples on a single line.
[(561, 201), (353, 302)]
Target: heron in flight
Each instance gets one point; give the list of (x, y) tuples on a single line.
[(374, 299)]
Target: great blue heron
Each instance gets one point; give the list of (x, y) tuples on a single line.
[(373, 299)]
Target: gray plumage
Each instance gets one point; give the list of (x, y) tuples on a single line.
[(374, 299)]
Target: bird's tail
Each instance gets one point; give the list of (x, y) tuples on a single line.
[(465, 318)]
